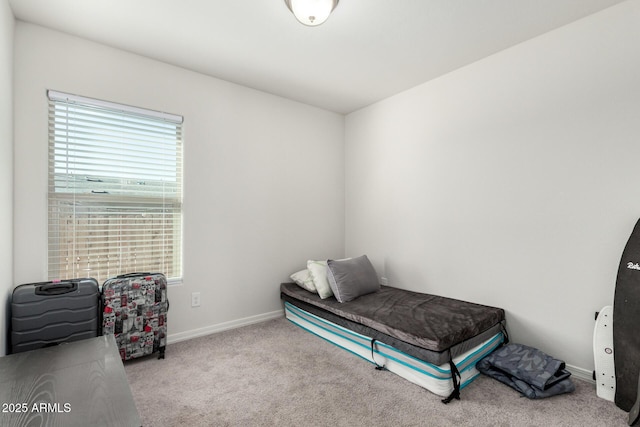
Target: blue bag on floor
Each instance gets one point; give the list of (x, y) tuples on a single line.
[(527, 370)]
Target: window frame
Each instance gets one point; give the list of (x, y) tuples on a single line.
[(113, 189)]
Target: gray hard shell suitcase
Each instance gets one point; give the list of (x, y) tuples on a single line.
[(135, 311), (48, 313)]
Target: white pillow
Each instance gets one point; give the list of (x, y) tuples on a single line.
[(304, 280), (318, 271)]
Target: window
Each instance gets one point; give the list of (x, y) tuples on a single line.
[(115, 189)]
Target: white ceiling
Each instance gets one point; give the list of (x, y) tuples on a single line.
[(366, 51)]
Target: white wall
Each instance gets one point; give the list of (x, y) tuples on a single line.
[(6, 166), (511, 182), (264, 176)]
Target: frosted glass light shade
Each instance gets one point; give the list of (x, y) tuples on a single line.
[(311, 12)]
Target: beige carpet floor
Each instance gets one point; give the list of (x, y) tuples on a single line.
[(276, 374)]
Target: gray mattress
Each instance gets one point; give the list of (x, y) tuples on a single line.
[(432, 328)]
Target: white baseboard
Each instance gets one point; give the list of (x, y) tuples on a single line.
[(581, 373), (200, 332)]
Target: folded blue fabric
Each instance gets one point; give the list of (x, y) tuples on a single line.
[(528, 370)]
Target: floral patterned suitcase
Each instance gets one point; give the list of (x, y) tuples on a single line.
[(135, 311)]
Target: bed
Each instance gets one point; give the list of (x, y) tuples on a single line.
[(432, 341)]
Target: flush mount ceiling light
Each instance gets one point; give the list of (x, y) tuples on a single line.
[(311, 12)]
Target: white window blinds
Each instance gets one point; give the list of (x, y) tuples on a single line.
[(115, 189)]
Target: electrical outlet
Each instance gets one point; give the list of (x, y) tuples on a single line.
[(384, 281), (195, 299)]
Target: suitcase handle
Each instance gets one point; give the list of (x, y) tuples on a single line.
[(122, 276), (58, 288)]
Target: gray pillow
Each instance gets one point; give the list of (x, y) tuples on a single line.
[(352, 278)]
